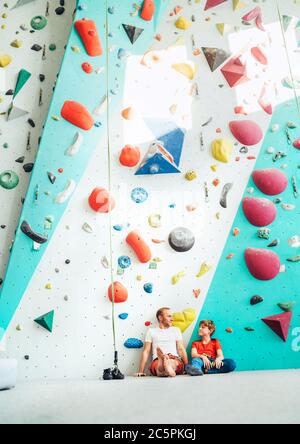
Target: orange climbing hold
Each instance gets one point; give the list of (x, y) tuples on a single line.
[(118, 292), (78, 115), (130, 156), (148, 10), (100, 201), (88, 32), (139, 246)]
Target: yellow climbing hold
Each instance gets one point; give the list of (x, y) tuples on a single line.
[(223, 28), (5, 60), (186, 69), (238, 4), (184, 319), (48, 286), (183, 23), (222, 150), (191, 175), (205, 268), (16, 43), (177, 277), (155, 220)]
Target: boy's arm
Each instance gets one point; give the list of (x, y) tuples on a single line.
[(182, 352), (195, 354), (144, 358), (220, 354)]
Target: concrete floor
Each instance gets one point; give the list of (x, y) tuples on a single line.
[(241, 398)]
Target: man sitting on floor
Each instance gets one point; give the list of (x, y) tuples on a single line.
[(168, 350), (207, 354)]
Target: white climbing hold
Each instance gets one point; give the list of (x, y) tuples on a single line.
[(66, 193), (74, 148), (87, 228)]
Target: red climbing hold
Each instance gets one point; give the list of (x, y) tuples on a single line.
[(259, 55), (297, 144), (280, 324), (88, 32), (270, 181), (87, 68), (213, 3), (260, 212), (139, 246), (119, 292), (78, 115), (148, 10), (263, 264), (100, 201), (246, 132), (130, 156)]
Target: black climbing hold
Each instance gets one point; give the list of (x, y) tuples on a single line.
[(42, 77), (20, 159), (10, 92), (60, 10), (256, 300), (26, 357), (28, 231), (67, 261), (181, 239), (51, 177), (31, 123), (274, 243), (28, 167), (36, 47), (133, 32)]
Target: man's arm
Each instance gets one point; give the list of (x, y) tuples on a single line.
[(182, 352), (145, 356)]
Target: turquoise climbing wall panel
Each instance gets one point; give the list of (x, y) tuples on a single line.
[(89, 90), (228, 300)]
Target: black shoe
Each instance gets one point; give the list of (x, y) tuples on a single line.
[(107, 375), (116, 374)]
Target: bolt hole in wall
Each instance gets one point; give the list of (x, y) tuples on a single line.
[(174, 89)]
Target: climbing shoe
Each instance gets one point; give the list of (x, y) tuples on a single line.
[(108, 375), (116, 374), (193, 371)]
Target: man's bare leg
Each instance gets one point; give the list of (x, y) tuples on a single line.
[(160, 366), (166, 366)]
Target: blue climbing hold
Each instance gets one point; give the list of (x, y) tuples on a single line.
[(148, 288), (123, 316), (133, 343), (124, 262), (139, 195)]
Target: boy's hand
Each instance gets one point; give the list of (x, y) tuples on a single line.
[(219, 363), (207, 363)]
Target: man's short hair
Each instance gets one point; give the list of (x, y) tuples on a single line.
[(161, 312), (210, 325)]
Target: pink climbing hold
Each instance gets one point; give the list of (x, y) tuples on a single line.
[(260, 212), (246, 132), (270, 181), (296, 144), (263, 264), (213, 3), (259, 55), (255, 14), (280, 324)]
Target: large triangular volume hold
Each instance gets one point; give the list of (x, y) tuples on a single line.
[(212, 3), (15, 113), (215, 57), (280, 324), (23, 78), (22, 3), (133, 32), (46, 321)]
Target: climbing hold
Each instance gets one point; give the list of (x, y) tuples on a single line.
[(118, 292), (139, 246), (229, 330), (64, 195), (154, 220), (9, 180), (222, 150), (87, 68), (46, 321), (139, 195), (205, 268), (133, 32), (184, 319), (235, 71), (181, 239), (148, 10), (259, 55), (260, 212), (133, 343), (129, 113), (255, 300), (296, 144), (38, 23), (226, 189), (274, 243), (75, 147), (286, 306), (263, 264), (101, 201), (213, 3), (5, 60), (23, 78), (78, 115), (123, 316), (280, 324), (246, 132), (29, 232), (264, 233), (215, 57), (191, 175), (270, 181), (294, 242), (148, 288), (88, 32), (124, 262), (130, 156), (183, 23), (186, 69)]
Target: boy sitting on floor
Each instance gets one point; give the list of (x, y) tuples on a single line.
[(207, 354)]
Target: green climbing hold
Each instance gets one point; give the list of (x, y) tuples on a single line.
[(46, 321), (9, 180), (38, 23), (23, 77), (287, 306), (52, 47)]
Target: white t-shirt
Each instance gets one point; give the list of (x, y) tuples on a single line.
[(165, 338)]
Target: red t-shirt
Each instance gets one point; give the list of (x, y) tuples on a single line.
[(209, 349)]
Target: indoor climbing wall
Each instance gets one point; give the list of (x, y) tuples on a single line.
[(187, 93)]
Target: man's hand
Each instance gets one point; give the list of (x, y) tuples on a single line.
[(219, 363), (207, 363), (139, 375)]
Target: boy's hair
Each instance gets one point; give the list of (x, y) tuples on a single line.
[(210, 325), (161, 312)]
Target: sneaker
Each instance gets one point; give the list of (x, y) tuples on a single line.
[(107, 375), (193, 371), (116, 374)]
